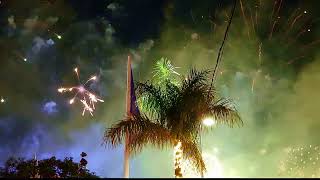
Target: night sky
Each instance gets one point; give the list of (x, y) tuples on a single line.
[(270, 69)]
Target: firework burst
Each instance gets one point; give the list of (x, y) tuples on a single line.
[(2, 100), (213, 165), (87, 98), (301, 162)]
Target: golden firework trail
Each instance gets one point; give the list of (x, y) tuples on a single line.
[(87, 98)]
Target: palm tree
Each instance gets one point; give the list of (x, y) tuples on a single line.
[(174, 117)]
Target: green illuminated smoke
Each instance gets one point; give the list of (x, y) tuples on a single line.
[(267, 76)]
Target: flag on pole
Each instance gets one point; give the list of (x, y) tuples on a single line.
[(131, 109), (134, 110)]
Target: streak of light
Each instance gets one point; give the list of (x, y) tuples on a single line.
[(244, 18)]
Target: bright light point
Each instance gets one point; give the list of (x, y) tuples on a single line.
[(305, 12), (76, 70), (71, 101), (81, 89), (59, 37), (309, 30), (94, 78), (208, 121), (25, 59), (2, 100), (60, 90)]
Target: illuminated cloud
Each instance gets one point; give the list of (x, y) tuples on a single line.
[(50, 107)]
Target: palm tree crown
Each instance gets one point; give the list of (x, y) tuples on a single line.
[(174, 112)]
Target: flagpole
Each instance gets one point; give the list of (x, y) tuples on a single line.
[(128, 105)]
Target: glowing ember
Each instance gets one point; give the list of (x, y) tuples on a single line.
[(213, 165), (83, 94), (300, 162)]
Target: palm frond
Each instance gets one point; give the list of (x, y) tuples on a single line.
[(151, 99), (153, 134), (191, 152), (141, 131), (224, 112), (195, 79)]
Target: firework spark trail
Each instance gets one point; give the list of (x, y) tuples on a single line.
[(258, 71), (299, 34), (274, 5), (244, 18), (256, 17), (279, 7), (252, 85), (300, 162), (272, 29), (293, 14), (20, 56), (303, 30), (294, 59), (255, 75), (57, 35), (293, 22), (260, 53), (252, 22), (312, 43), (88, 105), (275, 21)]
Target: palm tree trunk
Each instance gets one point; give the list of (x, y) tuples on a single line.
[(177, 160)]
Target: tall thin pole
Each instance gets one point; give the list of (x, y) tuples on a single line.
[(222, 44), (128, 105)]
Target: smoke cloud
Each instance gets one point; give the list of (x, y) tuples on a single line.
[(271, 79)]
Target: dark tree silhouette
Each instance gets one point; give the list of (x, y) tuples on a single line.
[(46, 168)]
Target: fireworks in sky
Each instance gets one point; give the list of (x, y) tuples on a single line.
[(2, 100), (87, 98), (279, 31), (301, 162), (213, 165), (20, 56), (57, 35)]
